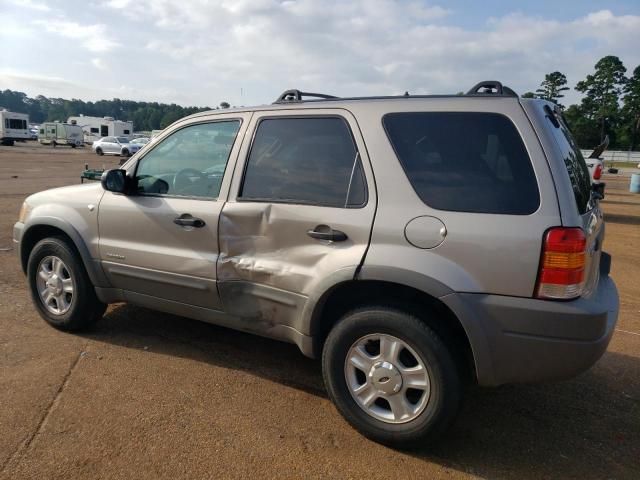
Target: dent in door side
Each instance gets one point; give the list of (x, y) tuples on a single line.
[(267, 269)]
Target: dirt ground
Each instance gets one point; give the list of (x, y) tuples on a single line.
[(150, 395)]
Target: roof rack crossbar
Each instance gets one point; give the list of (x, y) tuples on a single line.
[(296, 96)]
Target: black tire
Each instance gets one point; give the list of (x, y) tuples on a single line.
[(85, 308), (54, 144), (99, 151), (446, 387), (73, 145), (126, 153)]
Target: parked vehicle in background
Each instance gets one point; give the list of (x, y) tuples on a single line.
[(14, 127), (140, 141), (33, 133), (99, 127), (115, 146), (414, 243), (56, 133), (155, 133), (595, 164)]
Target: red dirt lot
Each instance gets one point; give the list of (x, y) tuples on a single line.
[(151, 395)]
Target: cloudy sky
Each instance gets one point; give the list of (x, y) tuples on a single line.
[(200, 52)]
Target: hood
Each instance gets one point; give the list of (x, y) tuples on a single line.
[(74, 194)]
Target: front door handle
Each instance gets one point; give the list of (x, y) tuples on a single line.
[(186, 220), (325, 232)]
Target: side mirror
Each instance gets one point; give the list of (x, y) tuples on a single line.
[(115, 181)]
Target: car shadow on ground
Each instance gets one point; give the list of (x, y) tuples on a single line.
[(588, 427)]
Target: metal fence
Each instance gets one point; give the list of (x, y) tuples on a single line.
[(616, 156)]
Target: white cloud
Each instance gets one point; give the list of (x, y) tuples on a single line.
[(204, 51), (376, 47), (31, 4), (92, 37), (99, 63)]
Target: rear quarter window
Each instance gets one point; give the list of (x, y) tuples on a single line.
[(574, 162), (465, 161)]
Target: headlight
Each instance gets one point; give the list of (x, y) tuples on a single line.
[(25, 210)]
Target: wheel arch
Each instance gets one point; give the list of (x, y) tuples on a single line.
[(349, 295), (56, 227)]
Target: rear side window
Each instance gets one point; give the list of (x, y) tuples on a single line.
[(573, 161), (465, 161), (304, 160)]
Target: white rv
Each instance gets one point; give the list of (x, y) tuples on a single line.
[(56, 133), (14, 127), (97, 127)]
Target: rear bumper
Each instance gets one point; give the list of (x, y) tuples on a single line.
[(517, 340)]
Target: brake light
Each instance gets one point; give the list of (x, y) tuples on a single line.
[(598, 172), (561, 273)]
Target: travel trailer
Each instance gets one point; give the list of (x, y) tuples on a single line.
[(14, 127), (97, 127), (57, 133)]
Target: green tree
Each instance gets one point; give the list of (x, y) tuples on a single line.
[(528, 95), (631, 110), (145, 115), (602, 93), (585, 130), (552, 87)]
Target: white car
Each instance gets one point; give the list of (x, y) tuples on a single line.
[(140, 141), (115, 146)]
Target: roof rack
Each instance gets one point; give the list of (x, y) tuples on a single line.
[(487, 88), (296, 96), (491, 87)]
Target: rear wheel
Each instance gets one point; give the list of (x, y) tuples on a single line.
[(391, 376), (99, 151), (60, 287)]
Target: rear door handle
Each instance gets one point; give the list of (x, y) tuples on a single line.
[(186, 220), (325, 232)]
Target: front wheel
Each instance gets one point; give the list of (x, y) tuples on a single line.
[(125, 153), (60, 287), (391, 376), (99, 151)]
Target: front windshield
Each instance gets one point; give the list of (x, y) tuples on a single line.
[(122, 139)]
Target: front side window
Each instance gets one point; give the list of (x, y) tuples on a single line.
[(465, 161), (304, 161), (190, 162)]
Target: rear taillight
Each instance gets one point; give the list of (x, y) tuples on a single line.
[(561, 274), (598, 172)]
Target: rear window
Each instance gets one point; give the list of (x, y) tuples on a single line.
[(465, 161), (573, 161)]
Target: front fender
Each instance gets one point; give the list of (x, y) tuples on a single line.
[(89, 253)]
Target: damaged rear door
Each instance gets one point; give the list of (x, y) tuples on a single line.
[(299, 214)]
